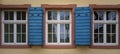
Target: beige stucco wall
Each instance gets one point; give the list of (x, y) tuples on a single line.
[(78, 2), (78, 50)]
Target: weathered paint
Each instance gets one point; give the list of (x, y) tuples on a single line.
[(82, 25), (78, 2), (35, 28)]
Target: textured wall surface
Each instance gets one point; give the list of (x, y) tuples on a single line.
[(78, 50), (78, 2)]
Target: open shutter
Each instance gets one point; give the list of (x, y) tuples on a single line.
[(35, 27), (83, 26)]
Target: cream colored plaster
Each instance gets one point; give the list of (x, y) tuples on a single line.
[(78, 50), (78, 2)]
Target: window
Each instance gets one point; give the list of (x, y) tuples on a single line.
[(105, 27), (14, 27), (58, 27)]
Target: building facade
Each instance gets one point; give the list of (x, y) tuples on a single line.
[(51, 26)]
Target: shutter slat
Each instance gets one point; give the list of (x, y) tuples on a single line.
[(82, 26), (35, 26)]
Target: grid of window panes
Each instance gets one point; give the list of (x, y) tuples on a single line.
[(14, 31), (58, 32), (105, 27)]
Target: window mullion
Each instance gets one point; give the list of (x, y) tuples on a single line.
[(58, 33), (58, 27), (111, 33), (52, 33), (105, 37), (117, 34), (15, 34), (21, 33), (15, 30), (64, 33), (9, 33), (70, 32)]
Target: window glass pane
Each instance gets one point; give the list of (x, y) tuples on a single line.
[(23, 15), (49, 38), (108, 28), (108, 38), (11, 13), (54, 28), (49, 15), (49, 28), (96, 28), (11, 28), (11, 38), (100, 28), (67, 15), (113, 28), (23, 38), (6, 38), (62, 28), (100, 38), (21, 33), (54, 15), (54, 37), (113, 38), (62, 38), (6, 28), (18, 15), (19, 38), (62, 15), (95, 38), (19, 28), (23, 28), (6, 15), (67, 38), (98, 15), (67, 28), (111, 15)]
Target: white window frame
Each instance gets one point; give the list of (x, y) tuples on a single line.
[(104, 22), (14, 22), (58, 22)]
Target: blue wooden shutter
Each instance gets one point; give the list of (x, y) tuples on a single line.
[(35, 27), (83, 26)]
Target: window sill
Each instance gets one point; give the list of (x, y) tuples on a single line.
[(105, 47), (59, 46), (14, 46)]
